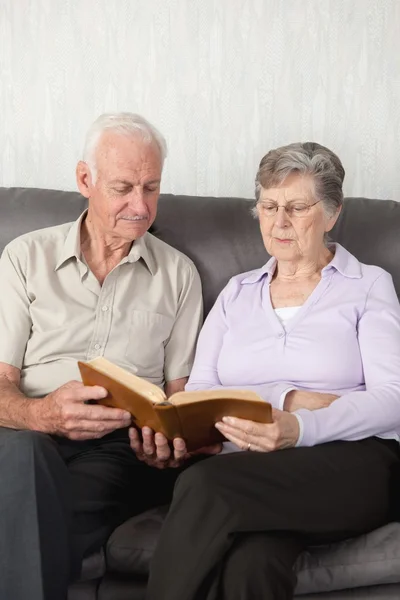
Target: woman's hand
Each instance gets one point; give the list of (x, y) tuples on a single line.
[(282, 433), (296, 399), (155, 450)]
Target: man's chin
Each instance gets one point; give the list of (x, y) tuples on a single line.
[(135, 228)]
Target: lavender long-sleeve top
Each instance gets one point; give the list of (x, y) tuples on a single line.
[(345, 340)]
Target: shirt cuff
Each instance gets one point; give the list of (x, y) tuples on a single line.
[(301, 430), (308, 427), (282, 397), (228, 448), (177, 372)]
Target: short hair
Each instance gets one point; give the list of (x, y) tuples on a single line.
[(124, 123), (309, 158)]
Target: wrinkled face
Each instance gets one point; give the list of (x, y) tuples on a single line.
[(299, 233), (123, 199)]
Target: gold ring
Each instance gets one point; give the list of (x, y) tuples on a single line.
[(248, 447)]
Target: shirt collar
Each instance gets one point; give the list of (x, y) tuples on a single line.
[(140, 249), (72, 247), (72, 244), (342, 261)]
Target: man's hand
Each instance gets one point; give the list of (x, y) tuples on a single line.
[(64, 413), (156, 452), (296, 399), (282, 433)]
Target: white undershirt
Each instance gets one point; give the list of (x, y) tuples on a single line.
[(286, 313)]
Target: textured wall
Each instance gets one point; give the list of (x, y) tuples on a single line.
[(225, 80)]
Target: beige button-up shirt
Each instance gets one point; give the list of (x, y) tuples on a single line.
[(53, 311)]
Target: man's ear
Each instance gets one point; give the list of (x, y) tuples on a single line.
[(84, 179)]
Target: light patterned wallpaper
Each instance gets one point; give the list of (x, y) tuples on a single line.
[(224, 80)]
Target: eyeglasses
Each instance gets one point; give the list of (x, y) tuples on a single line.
[(292, 209)]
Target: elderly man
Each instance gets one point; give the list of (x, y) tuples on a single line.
[(102, 286)]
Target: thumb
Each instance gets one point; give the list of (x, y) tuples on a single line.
[(276, 414)]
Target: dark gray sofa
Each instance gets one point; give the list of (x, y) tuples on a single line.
[(223, 239)]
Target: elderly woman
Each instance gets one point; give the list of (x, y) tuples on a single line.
[(317, 334)]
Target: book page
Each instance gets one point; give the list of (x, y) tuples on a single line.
[(149, 390), (188, 397)]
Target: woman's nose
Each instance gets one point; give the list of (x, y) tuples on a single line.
[(282, 219)]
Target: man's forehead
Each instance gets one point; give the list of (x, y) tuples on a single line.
[(118, 147), (121, 158)]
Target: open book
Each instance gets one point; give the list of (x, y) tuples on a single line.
[(189, 415)]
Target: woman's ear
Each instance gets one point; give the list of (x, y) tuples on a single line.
[(330, 221)]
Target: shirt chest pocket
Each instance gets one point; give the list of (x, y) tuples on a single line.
[(148, 333)]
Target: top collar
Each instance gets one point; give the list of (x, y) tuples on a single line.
[(343, 262)]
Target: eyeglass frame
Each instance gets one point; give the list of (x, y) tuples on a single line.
[(284, 206)]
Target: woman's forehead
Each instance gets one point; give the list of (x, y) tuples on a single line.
[(294, 187)]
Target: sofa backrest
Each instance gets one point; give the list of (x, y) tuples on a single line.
[(218, 234)]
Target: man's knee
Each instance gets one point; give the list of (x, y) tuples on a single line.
[(24, 440), (21, 449)]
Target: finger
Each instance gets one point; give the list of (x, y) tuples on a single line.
[(243, 444), (242, 439), (87, 392), (102, 413), (135, 441), (84, 435), (93, 426), (73, 384), (179, 449), (149, 447), (163, 450), (245, 426), (276, 414)]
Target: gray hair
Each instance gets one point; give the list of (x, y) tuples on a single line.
[(125, 123), (307, 158)]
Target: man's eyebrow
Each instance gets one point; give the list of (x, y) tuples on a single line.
[(291, 200), (129, 183), (120, 181)]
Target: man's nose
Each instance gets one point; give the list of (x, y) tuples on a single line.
[(137, 200)]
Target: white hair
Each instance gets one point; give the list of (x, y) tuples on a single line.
[(124, 123)]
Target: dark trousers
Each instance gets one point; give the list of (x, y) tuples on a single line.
[(238, 522), (60, 500)]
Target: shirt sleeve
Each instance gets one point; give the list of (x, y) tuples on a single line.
[(204, 375), (15, 319), (361, 414), (180, 347)]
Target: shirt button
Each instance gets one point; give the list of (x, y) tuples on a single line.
[(281, 334), (97, 346), (104, 308)]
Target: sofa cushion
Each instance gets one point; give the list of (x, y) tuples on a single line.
[(370, 559), (132, 544), (93, 566)]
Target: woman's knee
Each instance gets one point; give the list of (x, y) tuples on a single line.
[(204, 477)]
